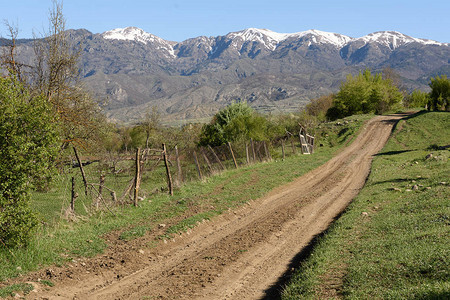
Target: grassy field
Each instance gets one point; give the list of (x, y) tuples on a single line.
[(393, 240), (59, 241)]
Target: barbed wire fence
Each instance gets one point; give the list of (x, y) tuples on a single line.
[(128, 178)]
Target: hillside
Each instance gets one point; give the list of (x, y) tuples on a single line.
[(133, 70)]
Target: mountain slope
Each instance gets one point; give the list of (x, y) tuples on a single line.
[(135, 70)]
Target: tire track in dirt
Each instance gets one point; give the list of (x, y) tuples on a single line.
[(242, 253)]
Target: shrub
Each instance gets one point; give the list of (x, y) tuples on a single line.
[(28, 139), (236, 121), (440, 93), (365, 93)]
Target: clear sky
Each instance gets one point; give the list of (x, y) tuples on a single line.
[(178, 20)]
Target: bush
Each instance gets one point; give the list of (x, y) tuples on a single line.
[(28, 139), (236, 121), (440, 93), (365, 93), (319, 107), (417, 99)]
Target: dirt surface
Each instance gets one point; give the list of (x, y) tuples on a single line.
[(239, 255)]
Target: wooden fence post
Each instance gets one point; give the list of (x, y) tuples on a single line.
[(266, 153), (246, 154), (82, 170), (179, 174), (293, 147), (232, 154), (282, 149), (197, 166), (100, 190), (207, 160), (216, 157), (253, 150), (74, 196), (137, 179), (169, 177)]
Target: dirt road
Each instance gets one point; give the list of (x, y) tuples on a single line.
[(238, 255)]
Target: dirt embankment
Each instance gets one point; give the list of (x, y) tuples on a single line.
[(239, 255)]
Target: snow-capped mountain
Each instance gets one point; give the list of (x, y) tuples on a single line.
[(140, 36), (273, 71), (394, 39), (254, 41), (272, 39)]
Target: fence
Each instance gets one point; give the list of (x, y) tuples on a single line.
[(164, 168)]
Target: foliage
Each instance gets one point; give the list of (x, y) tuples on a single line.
[(27, 149), (54, 73), (440, 93), (319, 107), (416, 99), (236, 121), (365, 93)]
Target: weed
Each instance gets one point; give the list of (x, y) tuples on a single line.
[(47, 283)]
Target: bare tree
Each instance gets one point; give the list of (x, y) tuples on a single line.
[(56, 75), (8, 58), (150, 123)]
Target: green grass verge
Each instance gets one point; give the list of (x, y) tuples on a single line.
[(60, 241), (393, 240), (10, 291)]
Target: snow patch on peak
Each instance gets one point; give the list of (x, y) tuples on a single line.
[(129, 34), (322, 37), (394, 39), (138, 35), (271, 39)]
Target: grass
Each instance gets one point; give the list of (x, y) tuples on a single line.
[(59, 241), (392, 241), (10, 291)]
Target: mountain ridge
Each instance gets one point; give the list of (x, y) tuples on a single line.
[(274, 72)]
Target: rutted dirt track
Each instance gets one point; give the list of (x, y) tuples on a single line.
[(241, 254)]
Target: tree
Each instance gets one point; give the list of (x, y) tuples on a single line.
[(236, 121), (55, 74), (8, 58), (440, 93), (28, 139), (417, 98), (319, 107), (150, 124), (365, 93)]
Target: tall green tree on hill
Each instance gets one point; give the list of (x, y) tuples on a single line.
[(440, 93), (365, 93)]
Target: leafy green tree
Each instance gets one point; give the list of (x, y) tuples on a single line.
[(236, 121), (28, 139), (417, 98), (365, 93), (440, 93)]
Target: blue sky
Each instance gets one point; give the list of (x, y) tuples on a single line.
[(178, 20)]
